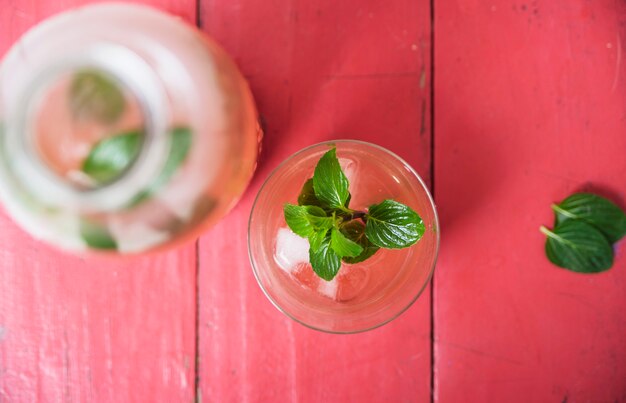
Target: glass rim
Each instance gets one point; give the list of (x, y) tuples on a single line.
[(436, 222)]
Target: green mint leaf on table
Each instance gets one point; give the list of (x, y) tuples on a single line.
[(324, 261), (96, 236), (578, 246), (586, 226), (393, 225), (594, 210), (355, 231), (93, 95), (343, 246), (336, 232), (329, 182)]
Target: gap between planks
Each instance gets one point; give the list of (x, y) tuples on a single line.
[(433, 373)]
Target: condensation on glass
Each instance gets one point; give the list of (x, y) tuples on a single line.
[(122, 129)]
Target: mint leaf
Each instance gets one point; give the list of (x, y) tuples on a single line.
[(295, 216), (393, 225), (305, 220), (594, 210), (329, 182), (355, 231), (181, 140), (578, 246), (96, 236), (324, 260), (111, 156), (336, 232), (317, 237), (343, 246), (307, 195), (318, 219), (93, 95)]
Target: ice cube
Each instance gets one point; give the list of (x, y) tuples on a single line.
[(291, 250), (328, 288), (305, 275), (350, 168), (80, 178), (351, 281)]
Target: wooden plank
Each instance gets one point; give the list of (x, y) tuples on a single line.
[(319, 70), (529, 107), (103, 330)]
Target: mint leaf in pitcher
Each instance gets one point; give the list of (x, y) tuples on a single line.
[(110, 157), (337, 233), (96, 235), (93, 95)]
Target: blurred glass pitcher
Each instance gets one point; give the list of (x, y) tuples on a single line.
[(122, 129)]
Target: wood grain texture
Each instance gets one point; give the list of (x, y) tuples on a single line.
[(530, 105), (75, 329), (319, 70)]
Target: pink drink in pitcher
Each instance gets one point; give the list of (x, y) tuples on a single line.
[(124, 130)]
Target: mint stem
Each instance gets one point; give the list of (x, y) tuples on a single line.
[(559, 210), (546, 231), (358, 214), (550, 234)]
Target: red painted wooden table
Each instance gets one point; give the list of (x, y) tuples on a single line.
[(504, 106)]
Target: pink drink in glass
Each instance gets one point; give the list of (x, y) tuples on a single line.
[(362, 295)]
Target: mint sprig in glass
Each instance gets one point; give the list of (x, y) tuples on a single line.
[(324, 217), (343, 236)]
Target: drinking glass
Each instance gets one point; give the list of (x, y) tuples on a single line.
[(363, 295)]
